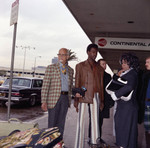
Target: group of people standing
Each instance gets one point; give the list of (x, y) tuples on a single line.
[(57, 89)]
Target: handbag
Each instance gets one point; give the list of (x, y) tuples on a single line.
[(116, 83)]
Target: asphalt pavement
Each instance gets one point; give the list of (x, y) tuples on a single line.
[(70, 129)]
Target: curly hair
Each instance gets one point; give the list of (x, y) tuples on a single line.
[(90, 46), (132, 60)]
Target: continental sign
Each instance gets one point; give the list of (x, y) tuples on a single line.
[(123, 43)]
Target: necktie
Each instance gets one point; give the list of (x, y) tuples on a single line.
[(63, 69)]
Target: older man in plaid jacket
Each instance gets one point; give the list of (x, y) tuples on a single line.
[(56, 90)]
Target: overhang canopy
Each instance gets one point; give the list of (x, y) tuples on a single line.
[(115, 19)]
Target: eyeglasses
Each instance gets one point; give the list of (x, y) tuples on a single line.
[(63, 55)]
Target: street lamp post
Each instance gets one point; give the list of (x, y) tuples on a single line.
[(24, 47), (35, 65)]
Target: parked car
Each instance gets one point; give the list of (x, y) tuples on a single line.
[(23, 90), (2, 79)]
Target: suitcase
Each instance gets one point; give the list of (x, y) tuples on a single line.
[(6, 127)]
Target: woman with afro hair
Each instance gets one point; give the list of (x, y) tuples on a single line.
[(126, 116)]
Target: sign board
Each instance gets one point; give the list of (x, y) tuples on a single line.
[(123, 43), (14, 12)]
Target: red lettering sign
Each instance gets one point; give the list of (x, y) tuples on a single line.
[(15, 3), (102, 42)]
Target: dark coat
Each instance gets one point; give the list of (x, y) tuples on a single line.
[(142, 96), (108, 101), (126, 116)]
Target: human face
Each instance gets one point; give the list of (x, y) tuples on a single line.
[(103, 64), (147, 64), (125, 65), (92, 54), (63, 56)]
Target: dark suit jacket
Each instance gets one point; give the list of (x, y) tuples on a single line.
[(108, 101), (142, 96), (132, 78)]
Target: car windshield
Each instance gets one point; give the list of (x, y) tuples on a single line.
[(19, 82)]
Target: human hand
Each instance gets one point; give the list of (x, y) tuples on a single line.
[(44, 106), (101, 106), (76, 105), (77, 109), (120, 72), (78, 95)]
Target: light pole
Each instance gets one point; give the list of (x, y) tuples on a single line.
[(24, 47), (35, 65)]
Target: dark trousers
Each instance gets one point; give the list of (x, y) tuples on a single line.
[(57, 115), (100, 122), (147, 136), (89, 121)]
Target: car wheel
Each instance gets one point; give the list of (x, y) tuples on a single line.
[(32, 101), (3, 103)]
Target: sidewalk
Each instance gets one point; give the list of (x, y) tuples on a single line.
[(70, 129)]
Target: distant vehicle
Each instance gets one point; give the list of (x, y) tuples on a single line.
[(2, 79), (23, 90)]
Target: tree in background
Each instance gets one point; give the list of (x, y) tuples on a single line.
[(72, 56)]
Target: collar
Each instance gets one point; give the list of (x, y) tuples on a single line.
[(92, 62), (62, 64), (123, 73)]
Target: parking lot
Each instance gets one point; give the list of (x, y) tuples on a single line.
[(22, 112)]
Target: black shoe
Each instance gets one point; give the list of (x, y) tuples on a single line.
[(89, 142), (102, 141), (94, 146)]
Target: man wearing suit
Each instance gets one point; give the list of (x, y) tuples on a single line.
[(90, 75), (145, 101), (56, 90), (108, 102)]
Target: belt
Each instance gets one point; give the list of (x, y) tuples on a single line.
[(64, 92), (147, 99)]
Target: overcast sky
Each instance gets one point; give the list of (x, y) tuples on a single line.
[(46, 25)]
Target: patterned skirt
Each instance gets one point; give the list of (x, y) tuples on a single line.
[(147, 116)]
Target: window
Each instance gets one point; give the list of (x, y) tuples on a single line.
[(19, 82), (37, 83)]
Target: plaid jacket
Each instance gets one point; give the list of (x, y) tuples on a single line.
[(51, 88)]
